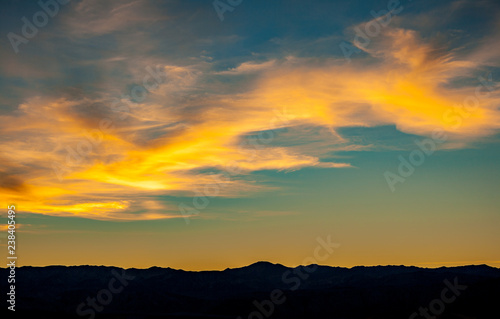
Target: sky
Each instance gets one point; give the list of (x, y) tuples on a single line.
[(214, 134)]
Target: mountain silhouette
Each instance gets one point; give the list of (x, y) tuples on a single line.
[(260, 290)]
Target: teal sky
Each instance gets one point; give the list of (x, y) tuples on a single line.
[(274, 126)]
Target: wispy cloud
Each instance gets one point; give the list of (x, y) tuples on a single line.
[(201, 118), (249, 67)]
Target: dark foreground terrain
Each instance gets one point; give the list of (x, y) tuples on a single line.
[(261, 290)]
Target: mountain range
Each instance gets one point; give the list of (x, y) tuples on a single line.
[(258, 291)]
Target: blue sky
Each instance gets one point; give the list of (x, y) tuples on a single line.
[(140, 133)]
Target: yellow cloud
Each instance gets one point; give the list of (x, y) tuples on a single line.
[(116, 175)]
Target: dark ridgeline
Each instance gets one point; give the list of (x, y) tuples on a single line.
[(383, 292)]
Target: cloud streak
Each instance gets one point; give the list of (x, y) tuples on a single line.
[(202, 119)]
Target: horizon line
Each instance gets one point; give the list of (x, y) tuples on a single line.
[(479, 263)]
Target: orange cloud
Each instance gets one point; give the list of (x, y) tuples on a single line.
[(156, 149), (409, 87)]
